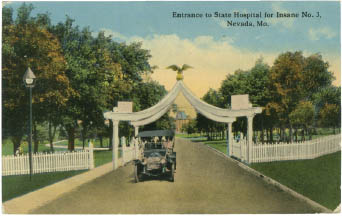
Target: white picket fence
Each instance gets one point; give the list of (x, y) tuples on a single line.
[(45, 162), (239, 149), (295, 151), (286, 151), (128, 153)]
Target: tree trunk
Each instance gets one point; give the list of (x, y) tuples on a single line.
[(310, 133), (83, 140), (35, 138), (262, 131), (291, 135), (314, 130), (71, 138), (307, 132), (52, 133), (303, 135), (84, 132), (271, 134), (101, 141), (296, 134), (16, 143)]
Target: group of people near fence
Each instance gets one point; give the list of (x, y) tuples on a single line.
[(157, 142)]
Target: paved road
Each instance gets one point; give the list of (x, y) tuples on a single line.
[(204, 183)]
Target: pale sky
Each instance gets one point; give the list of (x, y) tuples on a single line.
[(207, 44)]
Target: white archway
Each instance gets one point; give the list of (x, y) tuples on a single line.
[(153, 113)]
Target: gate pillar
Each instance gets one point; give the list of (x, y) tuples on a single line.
[(136, 147), (229, 139), (250, 137), (136, 130), (115, 144)]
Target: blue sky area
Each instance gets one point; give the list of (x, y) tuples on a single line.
[(148, 18), (152, 22)]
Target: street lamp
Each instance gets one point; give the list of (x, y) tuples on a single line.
[(29, 81)]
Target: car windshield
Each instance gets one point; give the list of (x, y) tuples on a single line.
[(155, 153), (154, 145)]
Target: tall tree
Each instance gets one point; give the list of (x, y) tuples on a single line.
[(327, 95), (295, 78), (253, 82), (286, 84), (132, 59), (92, 74), (315, 75), (28, 44), (302, 116), (330, 116)]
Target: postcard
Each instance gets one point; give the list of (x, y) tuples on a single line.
[(175, 107)]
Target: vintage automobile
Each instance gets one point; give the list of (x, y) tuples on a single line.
[(156, 155)]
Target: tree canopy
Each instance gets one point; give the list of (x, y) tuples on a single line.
[(79, 75), (26, 43), (296, 91)]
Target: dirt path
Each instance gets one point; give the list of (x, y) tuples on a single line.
[(204, 183)]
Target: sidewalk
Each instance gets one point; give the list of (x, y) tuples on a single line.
[(26, 203)]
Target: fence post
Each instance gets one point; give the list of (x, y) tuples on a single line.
[(249, 137), (136, 148), (91, 155), (131, 149), (123, 146), (229, 139)]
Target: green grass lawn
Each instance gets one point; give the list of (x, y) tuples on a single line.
[(79, 143), (13, 186), (185, 135), (318, 179), (196, 137), (7, 145), (102, 157), (219, 145)]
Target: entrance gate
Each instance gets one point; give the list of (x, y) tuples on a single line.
[(240, 107)]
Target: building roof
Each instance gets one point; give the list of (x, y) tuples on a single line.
[(156, 133), (181, 115)]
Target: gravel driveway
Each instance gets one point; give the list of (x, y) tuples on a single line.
[(204, 183)]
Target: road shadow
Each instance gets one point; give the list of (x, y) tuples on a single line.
[(145, 178)]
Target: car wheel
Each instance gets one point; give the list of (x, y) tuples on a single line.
[(172, 173)]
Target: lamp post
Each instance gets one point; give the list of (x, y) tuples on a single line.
[(29, 81)]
